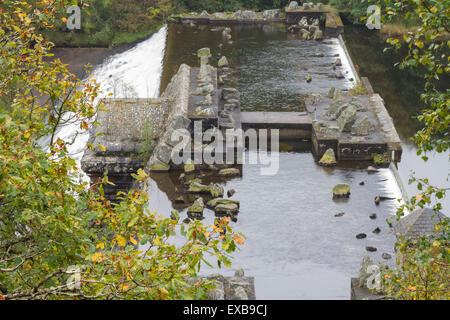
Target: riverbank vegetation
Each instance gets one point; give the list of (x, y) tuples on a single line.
[(59, 237)]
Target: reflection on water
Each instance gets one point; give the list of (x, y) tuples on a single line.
[(295, 246), (271, 66), (401, 92)]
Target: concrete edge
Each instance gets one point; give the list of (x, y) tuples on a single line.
[(349, 58)]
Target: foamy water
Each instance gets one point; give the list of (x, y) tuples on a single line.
[(134, 73)]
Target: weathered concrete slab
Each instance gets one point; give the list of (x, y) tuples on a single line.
[(381, 136), (292, 125), (333, 24), (121, 126)]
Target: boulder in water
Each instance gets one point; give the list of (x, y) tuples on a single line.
[(339, 74), (223, 62), (328, 159), (341, 190), (361, 236), (386, 256), (197, 207), (204, 52)]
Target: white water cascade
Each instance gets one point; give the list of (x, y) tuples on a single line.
[(135, 73)]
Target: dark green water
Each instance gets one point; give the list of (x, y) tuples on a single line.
[(401, 92)]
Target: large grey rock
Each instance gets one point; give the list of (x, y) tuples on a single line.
[(336, 108), (362, 127), (347, 119), (293, 5), (249, 15), (271, 14)]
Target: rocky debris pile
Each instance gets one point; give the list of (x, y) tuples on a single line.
[(328, 159), (245, 15), (178, 92), (205, 85), (237, 287), (341, 190), (307, 30), (230, 97)]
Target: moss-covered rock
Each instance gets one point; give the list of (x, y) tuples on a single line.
[(341, 190), (328, 159), (229, 172), (212, 204), (226, 209), (197, 207), (189, 168), (214, 189)]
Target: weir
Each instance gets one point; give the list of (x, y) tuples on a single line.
[(355, 125)]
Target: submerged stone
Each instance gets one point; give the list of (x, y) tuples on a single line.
[(328, 159), (204, 52), (189, 168), (223, 62), (361, 236), (214, 189), (386, 256), (341, 190)]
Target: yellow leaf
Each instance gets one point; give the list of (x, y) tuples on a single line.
[(64, 20), (121, 241), (96, 257), (419, 196), (102, 147), (101, 246), (238, 239), (133, 241)]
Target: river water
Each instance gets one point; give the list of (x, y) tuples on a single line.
[(295, 248)]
